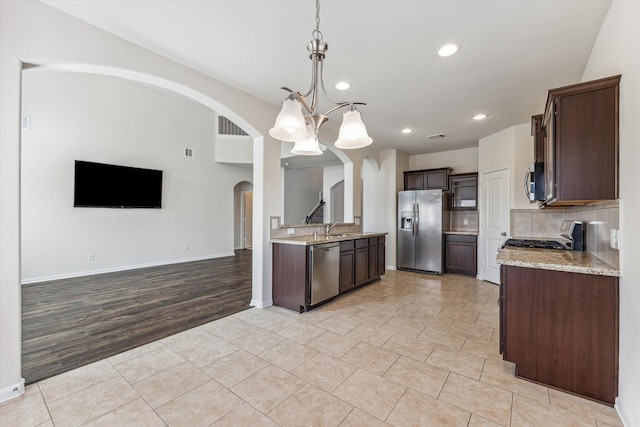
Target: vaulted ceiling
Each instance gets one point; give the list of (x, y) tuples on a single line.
[(511, 53)]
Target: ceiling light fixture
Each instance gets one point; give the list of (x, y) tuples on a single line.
[(406, 130), (447, 50), (292, 126), (343, 86), (479, 117)]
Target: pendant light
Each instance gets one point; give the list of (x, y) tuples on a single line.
[(293, 126)]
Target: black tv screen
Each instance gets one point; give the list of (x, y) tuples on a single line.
[(99, 185)]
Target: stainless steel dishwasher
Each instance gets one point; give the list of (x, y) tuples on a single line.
[(324, 274)]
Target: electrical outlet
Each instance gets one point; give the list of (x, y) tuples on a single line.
[(615, 238), (91, 256), (186, 247), (274, 224), (465, 221), (291, 230)]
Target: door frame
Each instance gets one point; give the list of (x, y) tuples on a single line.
[(243, 219), (483, 273)]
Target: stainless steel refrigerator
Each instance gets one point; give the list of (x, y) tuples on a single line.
[(422, 217)]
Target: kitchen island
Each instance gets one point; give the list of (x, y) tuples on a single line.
[(559, 320), (361, 261)]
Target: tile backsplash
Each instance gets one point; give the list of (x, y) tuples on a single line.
[(308, 229), (600, 219), (457, 219)]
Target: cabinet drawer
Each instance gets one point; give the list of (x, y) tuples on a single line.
[(381, 240), (362, 243), (460, 238), (373, 241), (347, 245)]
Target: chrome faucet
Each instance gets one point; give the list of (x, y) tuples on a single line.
[(330, 226)]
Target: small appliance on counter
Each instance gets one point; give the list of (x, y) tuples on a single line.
[(572, 238), (575, 231)]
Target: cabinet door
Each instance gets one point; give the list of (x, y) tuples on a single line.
[(464, 191), (381, 256), (437, 180), (538, 140), (549, 130), (413, 181), (373, 261), (461, 254), (347, 260), (362, 266)]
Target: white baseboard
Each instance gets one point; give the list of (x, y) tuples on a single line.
[(621, 413), (390, 267), (261, 304), (12, 391), (123, 268)]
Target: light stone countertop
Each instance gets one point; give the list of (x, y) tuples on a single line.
[(553, 259), (310, 240), (461, 233)]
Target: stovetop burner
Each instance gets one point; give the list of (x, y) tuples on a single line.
[(540, 244)]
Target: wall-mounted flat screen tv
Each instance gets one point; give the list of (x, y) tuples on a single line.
[(99, 185)]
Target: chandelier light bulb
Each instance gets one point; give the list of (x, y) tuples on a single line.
[(309, 147), (353, 133), (290, 125)]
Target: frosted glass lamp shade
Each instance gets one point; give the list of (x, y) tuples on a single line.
[(290, 124), (310, 147), (353, 133)]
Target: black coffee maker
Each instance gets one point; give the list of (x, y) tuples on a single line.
[(575, 231)]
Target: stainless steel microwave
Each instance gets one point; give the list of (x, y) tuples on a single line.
[(534, 182)]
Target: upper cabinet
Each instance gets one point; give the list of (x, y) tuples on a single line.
[(464, 191), (428, 179), (538, 138), (580, 134)]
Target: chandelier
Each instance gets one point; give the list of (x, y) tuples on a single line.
[(294, 126)]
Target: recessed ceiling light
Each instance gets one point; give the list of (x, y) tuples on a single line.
[(448, 50), (479, 117), (343, 86), (406, 130)]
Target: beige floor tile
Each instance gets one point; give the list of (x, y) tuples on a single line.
[(371, 358), (258, 341), (483, 348), (373, 394), (527, 412), (313, 317), (92, 402), (465, 364), (417, 409), (275, 322), (339, 324), (136, 352), (311, 406), (288, 355), (186, 341), (148, 364), (372, 335), (267, 388), (407, 328), (245, 415), (419, 376), (209, 351), (443, 337), (73, 381), (359, 418), (372, 317), (237, 366), (230, 328), (170, 384), (479, 398), (501, 374), (301, 332), (588, 408), (477, 421), (26, 410), (136, 413), (201, 406), (491, 320), (324, 371), (477, 331), (333, 344), (416, 348)]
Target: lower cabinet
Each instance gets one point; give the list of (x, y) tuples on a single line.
[(461, 254), (561, 329), (361, 261)]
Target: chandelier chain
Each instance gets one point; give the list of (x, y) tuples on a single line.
[(318, 15)]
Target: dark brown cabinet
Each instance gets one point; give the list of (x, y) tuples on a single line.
[(561, 329), (381, 256), (464, 191), (580, 134), (347, 265), (427, 179), (361, 262), (290, 276), (538, 139), (461, 254)]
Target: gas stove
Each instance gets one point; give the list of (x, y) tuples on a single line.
[(537, 243)]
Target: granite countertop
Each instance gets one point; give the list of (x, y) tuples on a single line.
[(462, 233), (310, 240), (553, 259)]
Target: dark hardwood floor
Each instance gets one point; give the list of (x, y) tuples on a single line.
[(73, 322)]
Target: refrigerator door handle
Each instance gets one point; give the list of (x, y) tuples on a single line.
[(416, 218)]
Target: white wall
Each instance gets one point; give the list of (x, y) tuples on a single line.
[(330, 177), (302, 189), (237, 212), (616, 52), (234, 149), (76, 116), (373, 198), (461, 161)]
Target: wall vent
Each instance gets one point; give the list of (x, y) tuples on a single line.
[(189, 152), (227, 127), (436, 136)]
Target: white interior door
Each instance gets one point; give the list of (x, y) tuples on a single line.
[(247, 219), (495, 220)]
